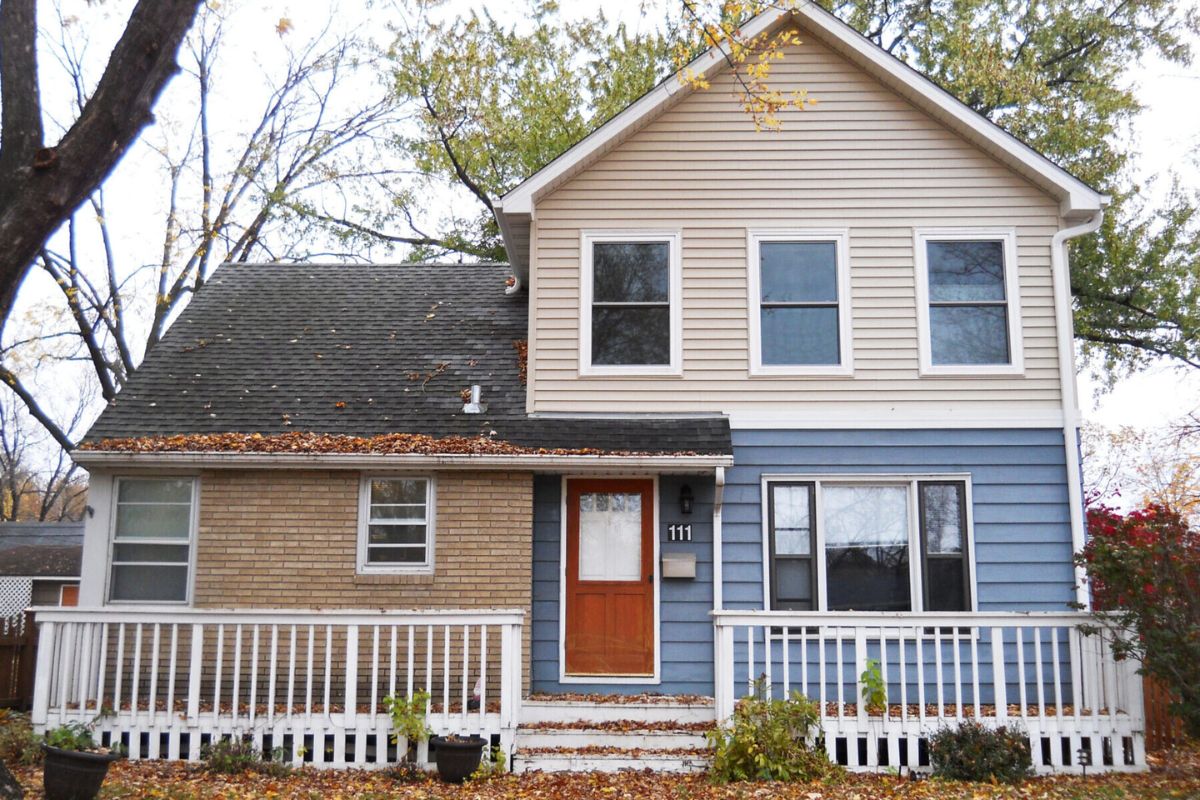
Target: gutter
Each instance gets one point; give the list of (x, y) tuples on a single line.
[(1060, 267), (530, 462)]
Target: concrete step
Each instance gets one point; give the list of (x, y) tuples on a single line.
[(583, 736), (602, 759), (665, 710)]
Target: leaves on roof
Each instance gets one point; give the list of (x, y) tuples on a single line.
[(303, 442), (522, 348)]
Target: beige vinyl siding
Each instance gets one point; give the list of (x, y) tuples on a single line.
[(862, 159)]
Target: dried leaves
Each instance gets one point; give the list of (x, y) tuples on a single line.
[(522, 348), (161, 780), (302, 442)]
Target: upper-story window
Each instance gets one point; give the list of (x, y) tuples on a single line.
[(153, 529), (630, 313), (395, 529), (969, 303), (868, 543), (799, 303)]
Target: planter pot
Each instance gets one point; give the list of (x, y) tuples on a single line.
[(74, 775), (457, 758)]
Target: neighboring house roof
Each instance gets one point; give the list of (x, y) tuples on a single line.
[(359, 351), (41, 549), (1077, 200)]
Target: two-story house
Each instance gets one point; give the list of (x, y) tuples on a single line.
[(745, 409)]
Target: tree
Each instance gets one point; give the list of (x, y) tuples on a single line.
[(1143, 466), (262, 192), (40, 185), (37, 483), (1144, 572)]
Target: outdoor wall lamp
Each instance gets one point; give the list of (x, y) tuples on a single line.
[(685, 499)]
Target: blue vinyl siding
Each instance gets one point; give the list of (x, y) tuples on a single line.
[(687, 632), (1022, 531)]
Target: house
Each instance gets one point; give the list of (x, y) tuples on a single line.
[(745, 412), (39, 565)]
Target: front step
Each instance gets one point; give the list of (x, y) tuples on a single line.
[(573, 735)]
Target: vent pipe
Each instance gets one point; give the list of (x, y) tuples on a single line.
[(474, 406)]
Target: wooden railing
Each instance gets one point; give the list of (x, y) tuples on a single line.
[(1037, 670), (309, 684)]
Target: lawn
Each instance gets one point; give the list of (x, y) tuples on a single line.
[(1175, 775)]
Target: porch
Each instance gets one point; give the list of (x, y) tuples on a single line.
[(311, 684)]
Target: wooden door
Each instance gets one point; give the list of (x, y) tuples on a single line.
[(610, 577)]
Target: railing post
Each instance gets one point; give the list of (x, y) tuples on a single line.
[(195, 664), (999, 674), (351, 706), (723, 674), (41, 679)]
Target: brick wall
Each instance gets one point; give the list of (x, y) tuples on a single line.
[(288, 538)]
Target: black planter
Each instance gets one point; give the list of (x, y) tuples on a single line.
[(74, 775), (457, 758)]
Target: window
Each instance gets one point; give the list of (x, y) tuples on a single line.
[(868, 545), (799, 310), (967, 282), (396, 525), (630, 304), (152, 540)]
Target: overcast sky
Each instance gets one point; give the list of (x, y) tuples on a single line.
[(1168, 135)]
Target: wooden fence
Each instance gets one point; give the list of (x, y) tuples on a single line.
[(18, 658), (1163, 729)]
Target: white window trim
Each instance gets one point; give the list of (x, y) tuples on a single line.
[(916, 579), (364, 517), (1012, 292), (841, 237), (674, 298), (193, 525)]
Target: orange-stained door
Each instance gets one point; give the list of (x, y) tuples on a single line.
[(610, 577)]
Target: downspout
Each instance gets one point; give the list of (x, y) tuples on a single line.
[(718, 570), (1060, 266)]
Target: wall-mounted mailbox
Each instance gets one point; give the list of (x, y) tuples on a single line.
[(679, 565)]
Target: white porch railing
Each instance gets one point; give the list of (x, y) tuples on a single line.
[(166, 683), (1037, 670)]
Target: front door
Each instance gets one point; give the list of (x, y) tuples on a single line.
[(610, 578)]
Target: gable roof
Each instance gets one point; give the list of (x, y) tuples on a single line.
[(360, 351), (41, 549), (1077, 200)]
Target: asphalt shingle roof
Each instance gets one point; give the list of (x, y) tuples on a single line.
[(362, 350), (41, 549)]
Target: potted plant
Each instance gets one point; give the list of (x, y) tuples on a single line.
[(75, 765), (457, 756), (408, 724)]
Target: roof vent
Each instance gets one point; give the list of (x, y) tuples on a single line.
[(474, 406)]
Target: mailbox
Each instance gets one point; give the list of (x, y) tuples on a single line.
[(679, 565)]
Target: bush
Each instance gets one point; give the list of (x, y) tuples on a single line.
[(19, 745), (1144, 570), (236, 756), (768, 740), (973, 752)]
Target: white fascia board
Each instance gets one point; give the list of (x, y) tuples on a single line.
[(370, 461)]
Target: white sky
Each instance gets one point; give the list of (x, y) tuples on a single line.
[(1168, 134)]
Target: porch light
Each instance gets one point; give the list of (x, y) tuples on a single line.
[(685, 499)]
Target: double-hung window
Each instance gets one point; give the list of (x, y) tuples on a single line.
[(395, 531), (153, 529), (630, 304), (868, 544), (968, 296), (799, 303)]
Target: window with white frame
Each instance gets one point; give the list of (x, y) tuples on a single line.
[(868, 545), (153, 529), (630, 304), (799, 302), (395, 532), (970, 315)]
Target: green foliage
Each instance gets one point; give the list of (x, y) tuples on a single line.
[(494, 766), (771, 740), (19, 745), (72, 736), (238, 756), (408, 717), (874, 690), (1144, 572), (1056, 75), (974, 752)]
